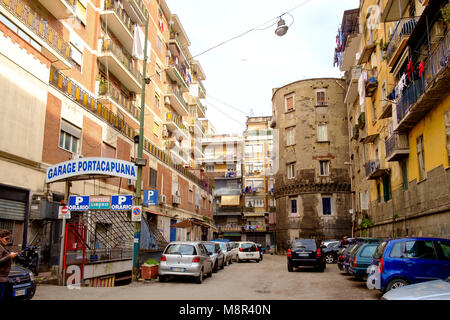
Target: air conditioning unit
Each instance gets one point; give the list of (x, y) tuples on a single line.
[(131, 182), (176, 200), (76, 156), (165, 133), (162, 198), (167, 100)]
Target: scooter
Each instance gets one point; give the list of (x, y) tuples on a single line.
[(29, 258)]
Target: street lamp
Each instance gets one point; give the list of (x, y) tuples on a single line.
[(282, 28)]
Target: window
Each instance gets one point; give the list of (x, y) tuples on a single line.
[(421, 157), (324, 167), (191, 196), (254, 202), (175, 185), (320, 98), (397, 250), (152, 178), (326, 205), (322, 132), (368, 251), (159, 43), (293, 206), (378, 192), (387, 188), (445, 248), (108, 151), (77, 57), (290, 168), (210, 168), (289, 102), (374, 106), (420, 249), (405, 174), (69, 137), (155, 129), (81, 10), (290, 136), (157, 101)]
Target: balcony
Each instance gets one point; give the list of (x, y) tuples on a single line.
[(424, 93), (355, 135), (352, 84), (52, 45), (108, 92), (362, 120), (397, 41), (119, 23), (136, 10), (255, 228), (178, 155), (374, 170), (121, 65), (176, 101), (60, 9), (372, 82), (197, 128), (397, 147), (393, 10), (175, 125), (178, 73), (202, 91), (230, 228)]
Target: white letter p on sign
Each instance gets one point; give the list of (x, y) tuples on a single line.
[(122, 199), (78, 200)]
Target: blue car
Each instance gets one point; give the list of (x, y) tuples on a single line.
[(400, 262)]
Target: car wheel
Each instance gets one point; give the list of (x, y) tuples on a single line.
[(290, 267), (199, 279), (237, 259), (395, 284), (223, 264), (231, 261), (329, 258), (257, 260), (161, 278), (215, 268)]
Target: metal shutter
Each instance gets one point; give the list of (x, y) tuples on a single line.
[(12, 210)]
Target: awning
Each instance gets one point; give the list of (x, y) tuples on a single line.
[(371, 138), (155, 212), (228, 213), (230, 200), (189, 223), (254, 214)]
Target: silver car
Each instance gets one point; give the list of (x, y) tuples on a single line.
[(226, 249), (185, 258), (216, 254)]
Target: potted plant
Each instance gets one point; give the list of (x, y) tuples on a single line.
[(149, 269), (446, 15)]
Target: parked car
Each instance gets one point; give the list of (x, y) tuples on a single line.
[(344, 253), (399, 262), (330, 252), (234, 250), (347, 254), (21, 284), (185, 258), (429, 290), (361, 259), (226, 249), (305, 252), (328, 242), (216, 254), (248, 251)]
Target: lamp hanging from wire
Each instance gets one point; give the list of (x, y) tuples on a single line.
[(282, 28)]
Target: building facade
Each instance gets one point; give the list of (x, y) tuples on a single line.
[(71, 89), (397, 100), (312, 183)]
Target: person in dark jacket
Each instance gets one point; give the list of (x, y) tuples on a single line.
[(6, 258)]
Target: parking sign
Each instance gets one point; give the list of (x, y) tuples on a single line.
[(136, 213), (150, 198), (122, 202), (79, 203)]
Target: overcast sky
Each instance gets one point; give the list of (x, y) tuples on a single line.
[(241, 74)]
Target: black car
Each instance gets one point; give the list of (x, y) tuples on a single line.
[(21, 284), (330, 252), (305, 252)]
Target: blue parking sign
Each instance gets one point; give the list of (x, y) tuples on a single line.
[(122, 202), (78, 203), (150, 198)]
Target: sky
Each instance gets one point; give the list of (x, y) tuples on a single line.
[(241, 73)]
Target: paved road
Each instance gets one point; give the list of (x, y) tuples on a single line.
[(266, 280)]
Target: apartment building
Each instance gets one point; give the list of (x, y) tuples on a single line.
[(71, 89), (223, 161), (258, 183), (396, 66), (312, 183)]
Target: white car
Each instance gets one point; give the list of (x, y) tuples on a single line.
[(248, 251), (234, 250)]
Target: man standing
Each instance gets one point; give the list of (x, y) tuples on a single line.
[(6, 258)]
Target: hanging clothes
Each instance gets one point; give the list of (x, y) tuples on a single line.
[(409, 69), (421, 68)]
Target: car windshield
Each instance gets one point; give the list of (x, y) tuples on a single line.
[(333, 244), (210, 247), (223, 246), (380, 249), (186, 249), (304, 244), (248, 245)]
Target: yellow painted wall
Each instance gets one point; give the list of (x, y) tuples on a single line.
[(434, 138)]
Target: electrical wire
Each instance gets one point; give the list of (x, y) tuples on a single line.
[(226, 104), (218, 109), (257, 28)]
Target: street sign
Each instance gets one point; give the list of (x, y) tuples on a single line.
[(150, 198), (78, 203), (99, 202), (122, 202), (63, 212), (136, 213)]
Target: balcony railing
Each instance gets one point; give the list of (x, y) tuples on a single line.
[(397, 147), (371, 167), (107, 89), (39, 26), (372, 82), (398, 39), (230, 228), (181, 75), (121, 13), (437, 61), (179, 95), (108, 46), (173, 117)]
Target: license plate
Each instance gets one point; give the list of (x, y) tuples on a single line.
[(20, 292), (178, 269), (303, 254), (249, 254)]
